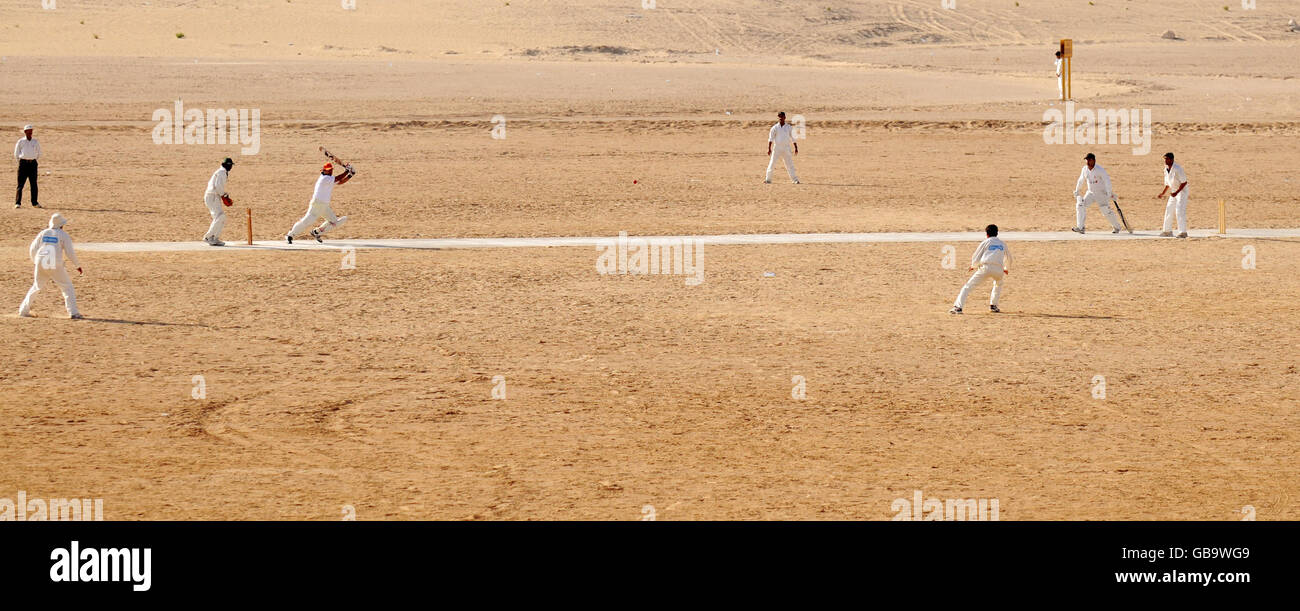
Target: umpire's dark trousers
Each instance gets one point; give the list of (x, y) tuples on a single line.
[(26, 172)]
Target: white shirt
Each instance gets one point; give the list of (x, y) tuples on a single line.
[(27, 149), (1175, 176), (217, 184), (1096, 179), (324, 189), (52, 245), (991, 252), (781, 135), (1058, 66)]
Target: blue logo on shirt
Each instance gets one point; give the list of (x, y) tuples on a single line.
[(49, 239), (995, 247)]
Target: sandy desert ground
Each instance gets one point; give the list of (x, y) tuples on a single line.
[(371, 387)]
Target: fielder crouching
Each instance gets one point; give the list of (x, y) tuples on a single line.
[(320, 204), (991, 260), (47, 252)]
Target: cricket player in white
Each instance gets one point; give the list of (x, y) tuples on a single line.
[(991, 260), (1060, 78), (1097, 181), (212, 197), (320, 204), (779, 141), (47, 252), (1176, 187)]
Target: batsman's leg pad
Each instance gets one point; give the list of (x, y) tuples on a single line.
[(328, 226), (303, 223)]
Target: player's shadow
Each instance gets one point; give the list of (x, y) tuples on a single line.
[(105, 210), (1288, 241), (830, 184), (1079, 316), (157, 323)]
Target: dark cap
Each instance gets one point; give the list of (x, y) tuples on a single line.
[(1169, 155), (781, 114), (1090, 156), (228, 161)]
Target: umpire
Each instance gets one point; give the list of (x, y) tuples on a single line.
[(27, 151)]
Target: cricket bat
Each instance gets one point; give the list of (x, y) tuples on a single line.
[(1121, 215), (332, 157)]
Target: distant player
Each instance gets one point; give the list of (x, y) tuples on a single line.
[(991, 260), (1097, 181), (47, 252), (1175, 179), (779, 141), (320, 204), (1060, 78), (216, 198), (27, 153)]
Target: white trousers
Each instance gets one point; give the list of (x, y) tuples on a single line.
[(787, 157), (1177, 207), (317, 210), (982, 272), (1081, 210), (218, 212), (59, 276)]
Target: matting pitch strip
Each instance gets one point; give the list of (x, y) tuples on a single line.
[(720, 240)]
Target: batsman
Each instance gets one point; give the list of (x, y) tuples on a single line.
[(320, 202), (1097, 182)]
